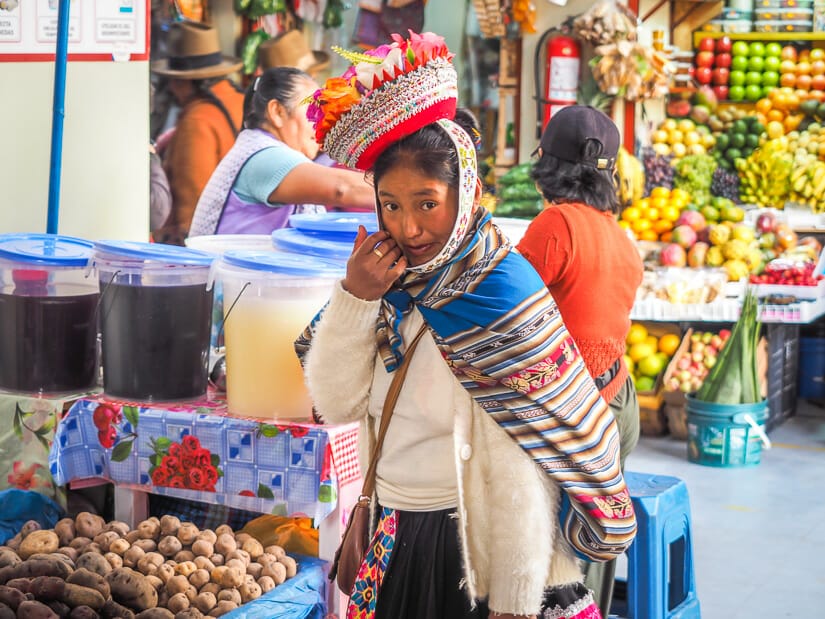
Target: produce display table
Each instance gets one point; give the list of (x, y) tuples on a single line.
[(196, 451)]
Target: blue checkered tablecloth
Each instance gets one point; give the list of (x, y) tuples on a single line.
[(196, 452)]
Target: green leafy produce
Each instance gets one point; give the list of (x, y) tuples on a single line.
[(517, 174), (249, 54), (524, 209), (734, 379), (519, 191)]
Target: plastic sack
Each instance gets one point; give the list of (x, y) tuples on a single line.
[(19, 506), (300, 597), (295, 535)]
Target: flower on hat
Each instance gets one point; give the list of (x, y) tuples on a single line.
[(370, 71)]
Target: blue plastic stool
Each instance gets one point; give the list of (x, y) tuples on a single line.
[(660, 582)]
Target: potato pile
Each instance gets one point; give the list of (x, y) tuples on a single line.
[(165, 569)]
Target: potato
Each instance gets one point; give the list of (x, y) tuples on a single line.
[(132, 536), (224, 528), (119, 546), (155, 613), (47, 588), (11, 597), (114, 560), (232, 577), (223, 607), (29, 527), (238, 553), (211, 587), (88, 525), (290, 565), (150, 562), (204, 564), (118, 526), (7, 613), (187, 533), (184, 555), (205, 602), (132, 556), (104, 539), (83, 612), (250, 591), (276, 571), (254, 569), (199, 578), (165, 571), (148, 545), (65, 531), (233, 595), (92, 580), (177, 584), (35, 610), (237, 564), (217, 559), (186, 568), (79, 543), (253, 547), (216, 575), (92, 547), (276, 550), (131, 589), (69, 552), (60, 609), (203, 548), (266, 558), (36, 565), (113, 610), (94, 563), (225, 544), (149, 529), (9, 558), (189, 613), (178, 602), (38, 542), (156, 582), (169, 546), (169, 525), (208, 535), (191, 593)]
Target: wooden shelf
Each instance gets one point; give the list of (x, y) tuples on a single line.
[(759, 36)]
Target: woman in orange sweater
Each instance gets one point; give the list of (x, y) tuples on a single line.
[(588, 263)]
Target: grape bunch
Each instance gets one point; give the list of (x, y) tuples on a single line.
[(725, 183), (658, 170), (105, 418)]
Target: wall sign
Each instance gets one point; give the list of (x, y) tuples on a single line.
[(103, 30)]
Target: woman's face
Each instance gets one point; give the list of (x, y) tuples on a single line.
[(296, 131), (418, 211)]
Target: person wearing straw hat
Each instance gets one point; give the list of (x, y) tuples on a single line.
[(290, 49), (272, 171), (210, 118), (498, 465)]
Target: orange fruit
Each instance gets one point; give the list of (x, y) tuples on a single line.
[(803, 82), (789, 53), (787, 79), (642, 203), (648, 235), (679, 194), (659, 202), (631, 213), (787, 66), (637, 334), (817, 53), (776, 115), (803, 67), (624, 225), (666, 237), (651, 213), (818, 67), (668, 343), (642, 224), (660, 192), (662, 225), (764, 106), (670, 213), (775, 130)]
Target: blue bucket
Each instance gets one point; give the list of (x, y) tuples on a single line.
[(812, 368), (726, 435)]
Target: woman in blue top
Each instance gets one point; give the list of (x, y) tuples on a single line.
[(274, 169)]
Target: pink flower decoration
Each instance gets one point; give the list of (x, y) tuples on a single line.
[(24, 478)]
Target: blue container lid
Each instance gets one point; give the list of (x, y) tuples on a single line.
[(296, 242), (334, 224), (156, 252), (46, 249), (283, 263)]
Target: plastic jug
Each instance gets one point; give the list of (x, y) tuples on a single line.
[(269, 298), (155, 318), (48, 332)]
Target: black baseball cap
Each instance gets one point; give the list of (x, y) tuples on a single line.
[(574, 126)]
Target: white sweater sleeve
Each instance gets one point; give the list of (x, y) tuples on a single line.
[(341, 360)]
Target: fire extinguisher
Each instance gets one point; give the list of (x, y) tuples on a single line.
[(561, 76)]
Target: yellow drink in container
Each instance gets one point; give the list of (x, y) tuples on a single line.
[(269, 298)]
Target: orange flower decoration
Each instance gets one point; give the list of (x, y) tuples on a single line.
[(338, 96)]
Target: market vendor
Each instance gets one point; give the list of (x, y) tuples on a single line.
[(588, 263), (272, 171)]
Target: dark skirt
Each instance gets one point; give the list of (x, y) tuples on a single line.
[(424, 571)]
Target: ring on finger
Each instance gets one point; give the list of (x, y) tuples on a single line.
[(378, 253)]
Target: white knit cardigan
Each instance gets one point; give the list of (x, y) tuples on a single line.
[(507, 508)]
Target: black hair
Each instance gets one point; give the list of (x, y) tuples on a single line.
[(562, 181), (429, 150), (278, 83)]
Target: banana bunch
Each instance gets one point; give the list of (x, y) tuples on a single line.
[(765, 176), (808, 184), (631, 174)]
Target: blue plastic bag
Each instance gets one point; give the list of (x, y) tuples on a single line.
[(19, 506)]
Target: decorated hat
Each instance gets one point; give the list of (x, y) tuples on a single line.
[(194, 53), (388, 93), (290, 49)]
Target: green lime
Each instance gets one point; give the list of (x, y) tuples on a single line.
[(733, 154), (752, 140), (737, 140), (722, 141), (739, 126), (757, 129)]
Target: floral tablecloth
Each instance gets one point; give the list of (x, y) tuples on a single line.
[(27, 429), (196, 451)]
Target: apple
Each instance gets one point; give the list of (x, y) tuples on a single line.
[(721, 92), (685, 375), (724, 44), (739, 48), (707, 44), (710, 362), (724, 334), (683, 364), (704, 75), (716, 342), (720, 76), (697, 346), (766, 222), (686, 386), (723, 60), (705, 59), (736, 93), (706, 337)]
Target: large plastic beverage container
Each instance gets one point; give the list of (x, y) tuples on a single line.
[(155, 317), (48, 332), (269, 299), (218, 245)]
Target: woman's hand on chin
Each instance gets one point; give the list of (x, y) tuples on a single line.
[(376, 262)]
